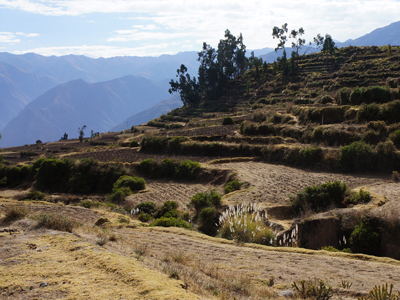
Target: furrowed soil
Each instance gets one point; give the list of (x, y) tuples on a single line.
[(137, 264)]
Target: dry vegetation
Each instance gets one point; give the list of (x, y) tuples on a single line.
[(89, 245)]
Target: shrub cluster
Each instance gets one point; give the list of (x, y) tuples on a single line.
[(390, 112), (167, 215), (170, 168), (319, 197), (206, 205), (227, 121), (55, 222), (233, 185), (125, 186), (375, 94), (15, 212)]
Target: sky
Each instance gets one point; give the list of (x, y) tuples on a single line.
[(107, 28)]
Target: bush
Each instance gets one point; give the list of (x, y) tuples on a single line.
[(208, 217), (35, 195), (357, 156), (134, 143), (203, 200), (361, 197), (120, 194), (311, 155), (188, 169), (175, 144), (15, 212), (313, 289), (344, 96), (368, 112), (53, 175), (326, 99), (144, 217), (55, 222), (233, 185), (166, 207), (171, 222), (153, 144), (133, 183), (371, 137), (148, 167), (365, 238), (259, 117), (168, 167), (147, 207), (227, 121), (319, 197), (379, 126), (374, 94), (395, 138)]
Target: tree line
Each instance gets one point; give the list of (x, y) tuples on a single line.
[(218, 66)]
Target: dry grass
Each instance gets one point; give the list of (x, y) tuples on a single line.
[(14, 212)]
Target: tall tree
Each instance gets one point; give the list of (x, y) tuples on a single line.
[(299, 42), (187, 87)]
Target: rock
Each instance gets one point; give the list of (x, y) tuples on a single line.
[(287, 294), (43, 284)]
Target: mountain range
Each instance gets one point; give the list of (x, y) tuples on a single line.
[(43, 97)]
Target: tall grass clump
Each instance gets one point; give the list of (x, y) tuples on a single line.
[(246, 223), (55, 221), (15, 212)]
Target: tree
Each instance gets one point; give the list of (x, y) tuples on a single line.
[(187, 87), (81, 133), (329, 47), (280, 34), (65, 137), (299, 42)]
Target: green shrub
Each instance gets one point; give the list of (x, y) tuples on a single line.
[(134, 143), (203, 200), (152, 144), (168, 167), (166, 207), (171, 222), (147, 207), (133, 183), (55, 222), (379, 126), (35, 195), (368, 112), (148, 167), (175, 144), (361, 197), (144, 217), (311, 155), (374, 94), (319, 197), (357, 156), (233, 185), (395, 138), (208, 217), (188, 169), (227, 121), (371, 137), (53, 175), (344, 96), (326, 99), (259, 117), (120, 194), (365, 238)]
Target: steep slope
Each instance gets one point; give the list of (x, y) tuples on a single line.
[(379, 37), (17, 89), (99, 106), (149, 114)]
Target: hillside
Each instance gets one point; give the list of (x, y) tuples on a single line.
[(99, 106), (17, 89), (284, 178)]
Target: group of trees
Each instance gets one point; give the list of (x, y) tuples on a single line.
[(218, 66), (281, 33)]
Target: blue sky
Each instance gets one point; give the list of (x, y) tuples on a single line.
[(149, 28)]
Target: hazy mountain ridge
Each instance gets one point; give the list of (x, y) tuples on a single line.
[(17, 89), (151, 113), (99, 106)]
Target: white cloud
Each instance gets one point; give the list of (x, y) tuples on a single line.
[(102, 51), (207, 20), (8, 37)]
